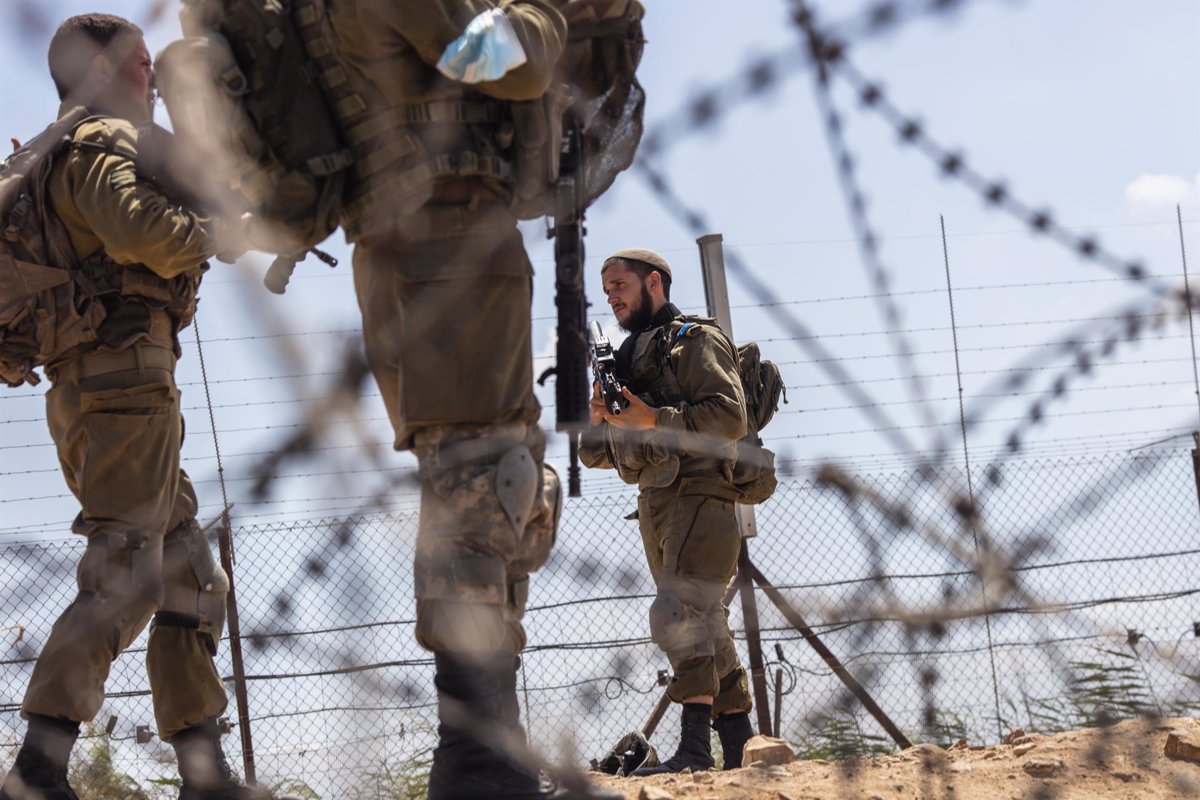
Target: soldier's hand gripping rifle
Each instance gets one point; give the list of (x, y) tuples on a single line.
[(604, 368), (572, 390)]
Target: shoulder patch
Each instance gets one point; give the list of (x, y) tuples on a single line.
[(689, 329), (107, 134)]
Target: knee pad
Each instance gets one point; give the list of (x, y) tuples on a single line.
[(196, 585), (679, 629), (125, 568), (517, 483), (542, 531)]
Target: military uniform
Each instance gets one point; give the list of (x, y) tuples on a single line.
[(114, 415), (445, 293), (445, 289), (687, 370)]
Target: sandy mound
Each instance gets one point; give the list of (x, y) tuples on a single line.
[(1134, 760)]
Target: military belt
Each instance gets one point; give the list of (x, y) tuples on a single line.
[(140, 357)]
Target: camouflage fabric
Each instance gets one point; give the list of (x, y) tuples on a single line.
[(445, 294), (686, 503)]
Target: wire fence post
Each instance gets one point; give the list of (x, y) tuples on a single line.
[(1191, 302), (228, 559), (716, 293), (962, 419)]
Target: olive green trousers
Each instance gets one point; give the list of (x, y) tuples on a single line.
[(692, 544), (116, 423)]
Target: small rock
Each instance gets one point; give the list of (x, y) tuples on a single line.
[(1129, 777), (783, 796), (1022, 749), (989, 754), (768, 750), (756, 765), (899, 787), (961, 766), (1013, 735), (703, 777), (961, 744), (1183, 745), (776, 772), (654, 793), (1043, 767), (1030, 739)]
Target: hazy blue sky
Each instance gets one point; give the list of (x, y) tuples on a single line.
[(1088, 107)]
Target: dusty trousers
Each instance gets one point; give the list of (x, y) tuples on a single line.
[(691, 539), (116, 423), (446, 320)]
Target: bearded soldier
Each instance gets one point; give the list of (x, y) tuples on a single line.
[(677, 440), (135, 258)]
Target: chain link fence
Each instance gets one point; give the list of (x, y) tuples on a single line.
[(1070, 600)]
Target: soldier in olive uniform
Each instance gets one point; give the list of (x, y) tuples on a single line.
[(677, 440), (444, 285), (114, 414)]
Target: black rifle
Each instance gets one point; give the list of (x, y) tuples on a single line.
[(604, 367), (572, 391)]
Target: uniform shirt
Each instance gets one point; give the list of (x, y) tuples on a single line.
[(106, 206), (701, 407), (397, 44)]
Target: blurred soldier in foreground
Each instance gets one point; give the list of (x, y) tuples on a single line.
[(135, 259), (677, 440), (445, 293)]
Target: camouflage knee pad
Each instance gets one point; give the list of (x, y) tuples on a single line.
[(196, 585), (489, 516)]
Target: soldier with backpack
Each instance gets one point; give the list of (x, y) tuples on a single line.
[(425, 130), (99, 270), (678, 438)]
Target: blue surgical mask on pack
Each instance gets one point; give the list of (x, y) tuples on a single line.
[(488, 50)]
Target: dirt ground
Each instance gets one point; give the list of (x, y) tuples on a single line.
[(1126, 761)]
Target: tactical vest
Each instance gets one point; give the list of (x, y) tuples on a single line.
[(753, 469), (52, 304), (261, 94)]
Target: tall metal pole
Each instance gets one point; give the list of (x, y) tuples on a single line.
[(235, 652), (228, 560), (1191, 302), (962, 418), (716, 293)]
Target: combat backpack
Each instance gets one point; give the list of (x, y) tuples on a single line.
[(243, 94), (42, 315), (263, 100), (762, 385)]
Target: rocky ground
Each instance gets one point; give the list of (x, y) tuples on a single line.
[(1142, 760)]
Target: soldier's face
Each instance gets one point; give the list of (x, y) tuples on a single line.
[(130, 89), (136, 76), (628, 296)]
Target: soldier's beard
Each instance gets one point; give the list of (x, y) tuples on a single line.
[(641, 315)]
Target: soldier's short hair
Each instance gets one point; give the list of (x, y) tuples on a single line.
[(77, 41)]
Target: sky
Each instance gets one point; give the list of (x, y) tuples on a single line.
[(1090, 109)]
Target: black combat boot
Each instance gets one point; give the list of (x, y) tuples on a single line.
[(477, 706), (40, 771), (205, 772), (695, 752), (735, 731)]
